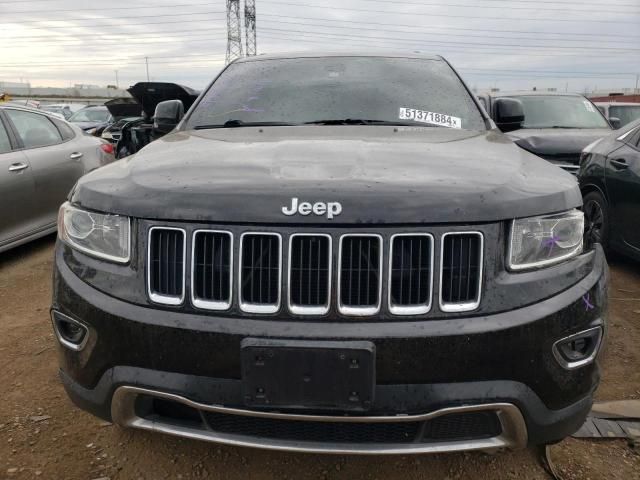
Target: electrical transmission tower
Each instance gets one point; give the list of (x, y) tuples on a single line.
[(250, 26), (234, 31)]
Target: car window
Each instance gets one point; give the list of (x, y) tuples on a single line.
[(420, 92), (635, 140), (90, 115), (5, 144), (626, 113), (34, 130), (560, 111), (65, 129)]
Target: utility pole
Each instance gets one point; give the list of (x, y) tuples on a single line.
[(234, 31), (117, 84), (250, 27), (146, 61), (637, 79)]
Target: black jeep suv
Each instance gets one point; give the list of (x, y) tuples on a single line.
[(335, 253)]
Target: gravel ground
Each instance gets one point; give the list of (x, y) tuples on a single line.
[(42, 435)]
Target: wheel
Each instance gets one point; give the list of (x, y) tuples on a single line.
[(596, 228)]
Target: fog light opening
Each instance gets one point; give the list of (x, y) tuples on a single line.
[(579, 349), (71, 333)]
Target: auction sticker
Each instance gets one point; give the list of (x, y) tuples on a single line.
[(430, 117)]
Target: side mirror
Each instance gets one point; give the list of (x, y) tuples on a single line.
[(509, 114), (167, 115), (615, 123)]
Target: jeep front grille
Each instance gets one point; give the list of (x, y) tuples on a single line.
[(166, 262), (260, 272), (411, 273), (461, 271), (360, 274), (255, 272), (309, 273), (211, 275)]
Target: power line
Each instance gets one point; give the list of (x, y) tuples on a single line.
[(448, 33), (580, 8), (475, 17), (110, 9), (444, 42), (146, 41), (102, 37), (165, 32), (116, 18), (590, 35), (385, 46), (563, 35)]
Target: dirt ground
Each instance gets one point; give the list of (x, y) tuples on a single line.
[(42, 435)]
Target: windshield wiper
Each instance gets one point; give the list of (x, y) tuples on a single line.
[(359, 121), (239, 123)]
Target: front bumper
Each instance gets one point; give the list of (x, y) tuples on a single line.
[(500, 363)]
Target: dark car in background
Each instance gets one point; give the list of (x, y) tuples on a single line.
[(124, 111), (135, 134), (620, 112), (556, 126), (610, 182), (92, 119), (331, 253)]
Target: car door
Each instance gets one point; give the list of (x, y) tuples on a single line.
[(622, 177), (17, 189), (55, 162)]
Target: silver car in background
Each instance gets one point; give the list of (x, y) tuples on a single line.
[(41, 158)]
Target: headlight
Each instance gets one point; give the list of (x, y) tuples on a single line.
[(540, 241), (91, 131), (107, 135), (104, 236)]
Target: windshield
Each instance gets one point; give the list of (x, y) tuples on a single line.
[(338, 90), (626, 113), (90, 115), (557, 111)]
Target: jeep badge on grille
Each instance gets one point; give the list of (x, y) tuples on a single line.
[(330, 209)]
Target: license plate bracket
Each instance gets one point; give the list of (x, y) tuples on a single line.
[(299, 374)]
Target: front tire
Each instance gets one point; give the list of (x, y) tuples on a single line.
[(596, 213)]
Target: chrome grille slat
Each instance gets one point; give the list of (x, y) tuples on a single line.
[(309, 274), (211, 269), (260, 267), (407, 271), (350, 288), (166, 265), (461, 271)]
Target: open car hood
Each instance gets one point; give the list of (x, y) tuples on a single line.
[(124, 107), (149, 94)]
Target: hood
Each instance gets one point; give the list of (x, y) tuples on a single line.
[(123, 107), (557, 143), (381, 175), (149, 94)]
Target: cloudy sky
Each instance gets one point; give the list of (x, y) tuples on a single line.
[(567, 44)]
